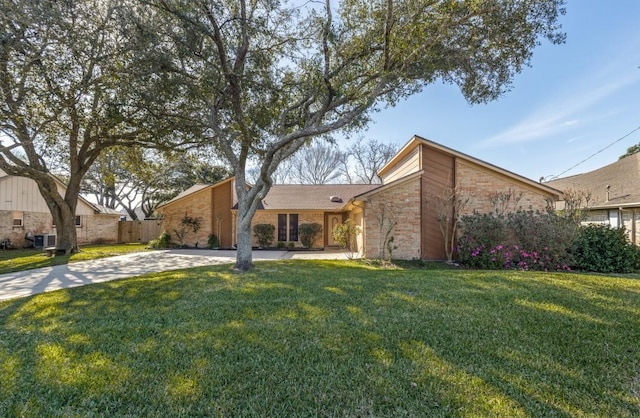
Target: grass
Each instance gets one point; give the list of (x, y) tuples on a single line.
[(19, 260), (326, 338)]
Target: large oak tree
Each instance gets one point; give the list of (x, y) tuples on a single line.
[(267, 75), (69, 89)]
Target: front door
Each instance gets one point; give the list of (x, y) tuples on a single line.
[(331, 221)]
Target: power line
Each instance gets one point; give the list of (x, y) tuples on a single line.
[(594, 154)]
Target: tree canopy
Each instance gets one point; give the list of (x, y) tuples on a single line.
[(267, 76), (68, 91), (634, 149), (139, 180)]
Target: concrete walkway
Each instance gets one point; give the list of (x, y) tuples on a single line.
[(31, 282)]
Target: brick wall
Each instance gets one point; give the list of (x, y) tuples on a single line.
[(95, 228), (400, 202), (98, 229), (196, 205), (34, 222), (480, 183)]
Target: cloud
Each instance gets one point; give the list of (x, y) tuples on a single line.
[(583, 96), (559, 115)]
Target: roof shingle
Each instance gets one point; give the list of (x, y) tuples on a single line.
[(309, 197), (623, 177)]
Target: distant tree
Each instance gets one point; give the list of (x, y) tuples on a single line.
[(634, 149), (144, 178), (269, 76), (368, 157), (318, 163)]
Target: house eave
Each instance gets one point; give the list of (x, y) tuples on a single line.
[(615, 206), (384, 187), (417, 140)]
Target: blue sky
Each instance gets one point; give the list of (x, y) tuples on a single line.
[(575, 99)]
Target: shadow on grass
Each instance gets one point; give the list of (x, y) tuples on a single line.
[(325, 338), (28, 259)]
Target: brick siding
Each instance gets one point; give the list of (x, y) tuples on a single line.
[(95, 228), (401, 202), (197, 205), (481, 183)]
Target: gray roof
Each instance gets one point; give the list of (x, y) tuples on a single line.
[(312, 196), (622, 177)]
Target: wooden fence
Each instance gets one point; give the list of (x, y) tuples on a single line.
[(139, 231)]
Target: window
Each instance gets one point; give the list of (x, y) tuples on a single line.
[(287, 227), (77, 221), (18, 218), (614, 219), (293, 227)]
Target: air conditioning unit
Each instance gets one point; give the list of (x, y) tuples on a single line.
[(42, 241)]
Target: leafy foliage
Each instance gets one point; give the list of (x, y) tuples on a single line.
[(524, 239), (213, 241), (634, 149), (70, 91), (345, 234), (309, 233), (604, 249), (163, 241), (264, 78), (265, 233)]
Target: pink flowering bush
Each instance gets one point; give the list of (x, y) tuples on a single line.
[(520, 240)]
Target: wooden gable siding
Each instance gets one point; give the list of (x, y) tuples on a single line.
[(22, 194), (409, 164), (439, 174), (221, 202)]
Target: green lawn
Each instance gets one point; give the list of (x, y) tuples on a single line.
[(320, 338), (18, 260)]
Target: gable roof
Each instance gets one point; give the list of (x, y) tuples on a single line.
[(622, 177), (312, 196), (195, 189), (417, 141)]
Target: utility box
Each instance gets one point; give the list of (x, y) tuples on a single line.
[(43, 241)]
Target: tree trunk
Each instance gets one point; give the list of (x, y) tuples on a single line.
[(247, 206), (66, 236), (244, 255), (63, 216)]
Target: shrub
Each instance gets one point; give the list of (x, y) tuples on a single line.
[(265, 233), (213, 241), (163, 241), (524, 239), (345, 234), (281, 244), (309, 234), (603, 249)]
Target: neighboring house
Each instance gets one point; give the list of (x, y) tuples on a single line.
[(24, 212), (412, 181), (614, 194)]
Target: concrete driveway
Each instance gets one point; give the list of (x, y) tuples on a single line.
[(31, 282)]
